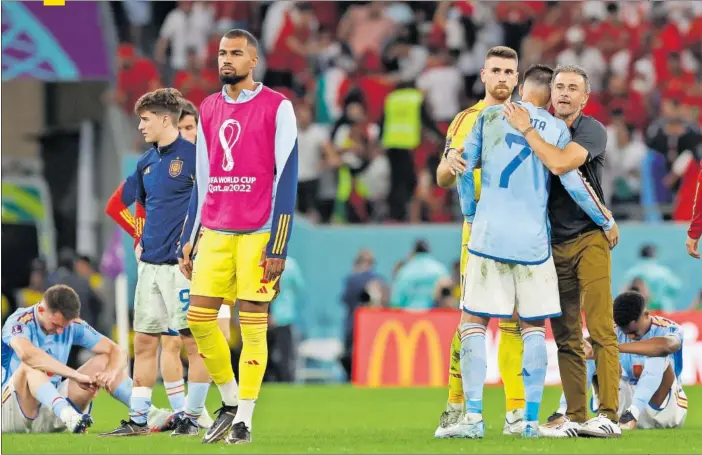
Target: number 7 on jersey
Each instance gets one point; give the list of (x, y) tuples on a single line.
[(514, 139)]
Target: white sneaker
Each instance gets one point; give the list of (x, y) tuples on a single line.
[(205, 420), (514, 423), (471, 426), (564, 429), (450, 417), (600, 427)]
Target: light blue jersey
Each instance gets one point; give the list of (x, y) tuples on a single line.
[(633, 364), (415, 283), (23, 323), (510, 224)]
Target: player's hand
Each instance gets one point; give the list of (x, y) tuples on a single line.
[(587, 347), (108, 380), (86, 382), (692, 246), (272, 267), (185, 263), (455, 161), (612, 236), (137, 252), (517, 116)]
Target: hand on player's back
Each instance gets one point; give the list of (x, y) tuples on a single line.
[(272, 267), (613, 236), (517, 116), (455, 160)]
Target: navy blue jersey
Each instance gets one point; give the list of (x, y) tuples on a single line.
[(165, 178)]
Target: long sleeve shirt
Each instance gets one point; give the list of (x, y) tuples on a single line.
[(695, 230)]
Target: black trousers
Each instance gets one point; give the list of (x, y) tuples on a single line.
[(281, 354), (307, 196), (403, 181)]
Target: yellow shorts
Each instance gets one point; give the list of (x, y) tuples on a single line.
[(229, 266)]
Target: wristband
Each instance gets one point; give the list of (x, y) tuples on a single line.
[(527, 131)]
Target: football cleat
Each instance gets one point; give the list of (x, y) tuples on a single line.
[(128, 428), (240, 434), (80, 423), (514, 423), (448, 418), (185, 427), (222, 424), (627, 421)]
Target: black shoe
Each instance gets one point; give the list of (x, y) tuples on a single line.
[(222, 424), (82, 426), (185, 426), (170, 424), (128, 428), (555, 416), (240, 434)]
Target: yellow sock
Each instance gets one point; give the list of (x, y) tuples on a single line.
[(254, 353), (212, 345), (509, 360), (455, 381)]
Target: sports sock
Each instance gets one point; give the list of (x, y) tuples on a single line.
[(254, 354), (197, 395), (229, 392), (176, 394), (509, 360), (123, 392), (534, 370), (245, 412), (140, 404), (473, 365), (649, 382), (48, 396), (211, 344), (455, 380)]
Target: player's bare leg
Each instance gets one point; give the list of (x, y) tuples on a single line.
[(145, 375), (33, 389), (172, 374), (214, 349), (253, 317)]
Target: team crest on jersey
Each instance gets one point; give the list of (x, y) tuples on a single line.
[(637, 370), (175, 168), (147, 171), (26, 318), (17, 329)]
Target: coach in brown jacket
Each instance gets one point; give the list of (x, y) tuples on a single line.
[(581, 252)]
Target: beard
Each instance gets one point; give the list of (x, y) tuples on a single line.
[(500, 92), (232, 79)]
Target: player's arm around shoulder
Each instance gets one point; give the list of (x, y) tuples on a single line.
[(286, 157)]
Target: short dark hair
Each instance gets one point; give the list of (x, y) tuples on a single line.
[(241, 33), (539, 74), (502, 52), (421, 246), (161, 102), (573, 69), (189, 109), (628, 307), (62, 299)]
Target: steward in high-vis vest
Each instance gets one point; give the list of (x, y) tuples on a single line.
[(404, 116)]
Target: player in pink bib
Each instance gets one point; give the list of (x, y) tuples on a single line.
[(240, 216)]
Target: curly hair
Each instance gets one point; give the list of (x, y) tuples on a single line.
[(163, 101), (628, 307)]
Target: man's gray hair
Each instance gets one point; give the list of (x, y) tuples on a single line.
[(573, 69)]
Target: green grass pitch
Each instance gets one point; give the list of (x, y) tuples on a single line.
[(343, 419)]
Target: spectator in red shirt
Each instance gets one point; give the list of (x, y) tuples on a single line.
[(695, 231), (195, 82), (678, 80), (546, 37), (135, 76), (614, 33), (666, 39)]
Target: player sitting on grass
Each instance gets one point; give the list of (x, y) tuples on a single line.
[(40, 393), (650, 353)]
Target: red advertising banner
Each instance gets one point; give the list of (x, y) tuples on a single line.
[(396, 348)]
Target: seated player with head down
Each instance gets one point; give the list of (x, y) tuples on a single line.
[(651, 356), (40, 393)]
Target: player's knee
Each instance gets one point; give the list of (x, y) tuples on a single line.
[(95, 364), (171, 345), (145, 345), (201, 326)]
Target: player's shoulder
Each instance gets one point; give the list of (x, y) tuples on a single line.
[(185, 145), (661, 322), (472, 111), (145, 157), (19, 322), (274, 93)]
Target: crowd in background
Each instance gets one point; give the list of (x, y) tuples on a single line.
[(339, 61)]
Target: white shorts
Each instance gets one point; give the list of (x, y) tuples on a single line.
[(672, 413), (14, 420), (225, 312), (492, 289), (161, 300)]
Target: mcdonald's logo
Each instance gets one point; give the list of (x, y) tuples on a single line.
[(407, 342)]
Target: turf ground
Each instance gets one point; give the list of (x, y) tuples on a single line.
[(343, 419)]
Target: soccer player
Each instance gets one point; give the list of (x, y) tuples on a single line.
[(244, 199), (500, 78), (650, 352), (165, 175), (581, 253), (40, 393), (695, 231), (508, 268)]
